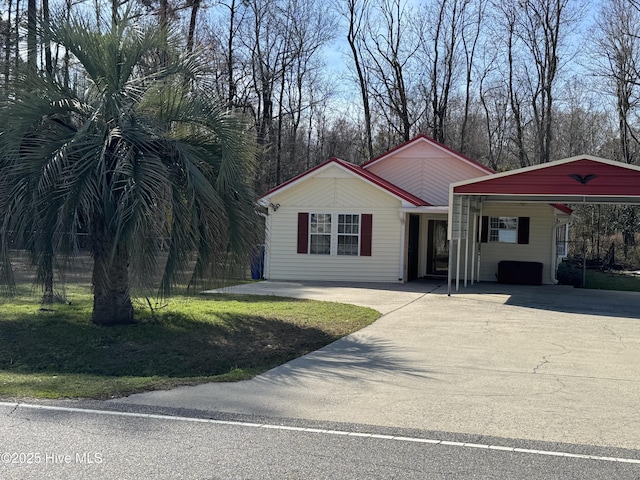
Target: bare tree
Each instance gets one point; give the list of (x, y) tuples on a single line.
[(581, 122), (356, 13), (8, 31), (193, 19), (390, 51), (515, 97), (441, 50), (543, 25), (48, 60), (32, 45), (471, 32), (616, 57), (495, 105)]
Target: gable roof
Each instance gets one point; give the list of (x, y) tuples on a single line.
[(365, 175), (424, 138), (577, 179)]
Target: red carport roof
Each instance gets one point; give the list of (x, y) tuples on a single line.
[(577, 179)]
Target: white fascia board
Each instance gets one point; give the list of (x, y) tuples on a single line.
[(431, 209)]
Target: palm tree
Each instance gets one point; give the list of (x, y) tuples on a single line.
[(135, 151)]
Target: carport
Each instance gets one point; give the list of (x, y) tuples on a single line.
[(577, 180)]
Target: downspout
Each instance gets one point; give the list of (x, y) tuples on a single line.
[(478, 237), (402, 246), (554, 256), (267, 243), (554, 251), (458, 244), (474, 243)]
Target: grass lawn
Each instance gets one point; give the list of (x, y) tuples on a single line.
[(59, 353), (612, 281)]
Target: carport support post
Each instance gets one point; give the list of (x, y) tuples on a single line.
[(474, 245), (466, 245), (478, 237), (450, 269), (584, 263), (458, 246), (451, 237)]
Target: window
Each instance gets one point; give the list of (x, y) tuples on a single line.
[(348, 234), (320, 234), (335, 234), (562, 240), (503, 229)]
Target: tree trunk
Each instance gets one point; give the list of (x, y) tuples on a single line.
[(111, 300), (47, 278), (354, 32), (195, 6), (17, 59), (48, 61), (32, 52), (628, 228), (232, 91), (7, 49)]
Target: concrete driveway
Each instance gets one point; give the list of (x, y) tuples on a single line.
[(540, 363)]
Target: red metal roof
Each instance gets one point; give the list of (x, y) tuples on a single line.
[(371, 177), (578, 176)]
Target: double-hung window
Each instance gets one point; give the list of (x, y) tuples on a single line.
[(347, 234), (503, 229), (320, 234), (562, 240)]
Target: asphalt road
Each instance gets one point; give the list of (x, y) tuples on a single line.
[(53, 442)]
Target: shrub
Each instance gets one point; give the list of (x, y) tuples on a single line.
[(569, 275)]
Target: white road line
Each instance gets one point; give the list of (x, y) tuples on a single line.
[(15, 406)]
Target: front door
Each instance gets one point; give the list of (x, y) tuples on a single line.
[(437, 248)]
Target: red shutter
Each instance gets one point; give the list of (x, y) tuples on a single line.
[(484, 229), (366, 234), (303, 232), (523, 230)]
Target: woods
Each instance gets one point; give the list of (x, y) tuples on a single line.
[(509, 83)]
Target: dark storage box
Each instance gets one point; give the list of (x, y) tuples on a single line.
[(520, 273)]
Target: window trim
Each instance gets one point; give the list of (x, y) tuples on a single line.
[(313, 234), (562, 240), (498, 224), (365, 233), (348, 234), (522, 230)]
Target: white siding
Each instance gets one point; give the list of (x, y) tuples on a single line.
[(335, 191), (539, 248), (425, 171)]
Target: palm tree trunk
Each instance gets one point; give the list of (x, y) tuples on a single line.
[(47, 278), (111, 299)]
